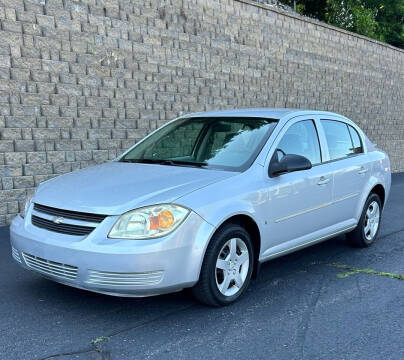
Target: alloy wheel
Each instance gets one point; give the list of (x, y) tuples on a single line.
[(232, 266), (372, 220)]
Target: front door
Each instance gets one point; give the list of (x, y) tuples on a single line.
[(299, 202)]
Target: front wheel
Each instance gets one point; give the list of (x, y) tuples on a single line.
[(227, 267), (366, 232)]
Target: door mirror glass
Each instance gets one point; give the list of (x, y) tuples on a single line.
[(288, 163)]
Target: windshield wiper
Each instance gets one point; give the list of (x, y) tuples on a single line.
[(188, 163), (141, 161), (165, 162)]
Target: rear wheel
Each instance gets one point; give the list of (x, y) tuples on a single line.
[(227, 267), (366, 232)]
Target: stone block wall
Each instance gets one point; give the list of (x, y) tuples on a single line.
[(82, 80)]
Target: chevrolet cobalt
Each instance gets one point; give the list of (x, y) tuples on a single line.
[(202, 201)]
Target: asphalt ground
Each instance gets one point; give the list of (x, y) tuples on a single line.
[(306, 305)]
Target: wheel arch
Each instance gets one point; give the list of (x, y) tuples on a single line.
[(379, 190), (250, 225), (374, 185)]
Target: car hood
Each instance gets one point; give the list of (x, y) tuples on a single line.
[(116, 187)]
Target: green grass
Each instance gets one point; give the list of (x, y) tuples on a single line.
[(352, 271), (99, 340)]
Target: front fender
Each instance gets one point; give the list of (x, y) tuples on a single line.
[(222, 221)]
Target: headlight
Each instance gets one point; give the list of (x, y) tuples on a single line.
[(149, 222), (28, 200)]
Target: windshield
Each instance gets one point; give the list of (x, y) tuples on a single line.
[(225, 143)]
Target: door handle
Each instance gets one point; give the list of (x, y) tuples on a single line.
[(323, 181), (363, 170)]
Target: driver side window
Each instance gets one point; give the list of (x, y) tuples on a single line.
[(301, 139)]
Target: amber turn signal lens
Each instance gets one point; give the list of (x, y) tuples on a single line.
[(164, 220)]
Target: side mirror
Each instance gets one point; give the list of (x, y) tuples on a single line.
[(289, 163)]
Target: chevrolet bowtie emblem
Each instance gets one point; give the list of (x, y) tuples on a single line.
[(58, 220)]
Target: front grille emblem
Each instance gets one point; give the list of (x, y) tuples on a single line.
[(58, 220)]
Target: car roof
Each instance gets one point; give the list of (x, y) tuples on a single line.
[(270, 113)]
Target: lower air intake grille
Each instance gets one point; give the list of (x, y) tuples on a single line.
[(124, 279), (50, 268), (15, 254), (69, 229)]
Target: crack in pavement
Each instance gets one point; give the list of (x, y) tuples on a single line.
[(391, 233), (97, 342), (147, 322), (306, 318), (78, 352)]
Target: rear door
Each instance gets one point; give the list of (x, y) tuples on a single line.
[(347, 160)]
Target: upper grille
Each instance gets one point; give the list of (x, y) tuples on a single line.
[(68, 214), (69, 229), (49, 267)]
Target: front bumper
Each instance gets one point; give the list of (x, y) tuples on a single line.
[(114, 266)]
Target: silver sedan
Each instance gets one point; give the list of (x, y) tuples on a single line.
[(203, 201)]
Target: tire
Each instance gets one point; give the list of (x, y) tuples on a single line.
[(222, 279), (365, 234)]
